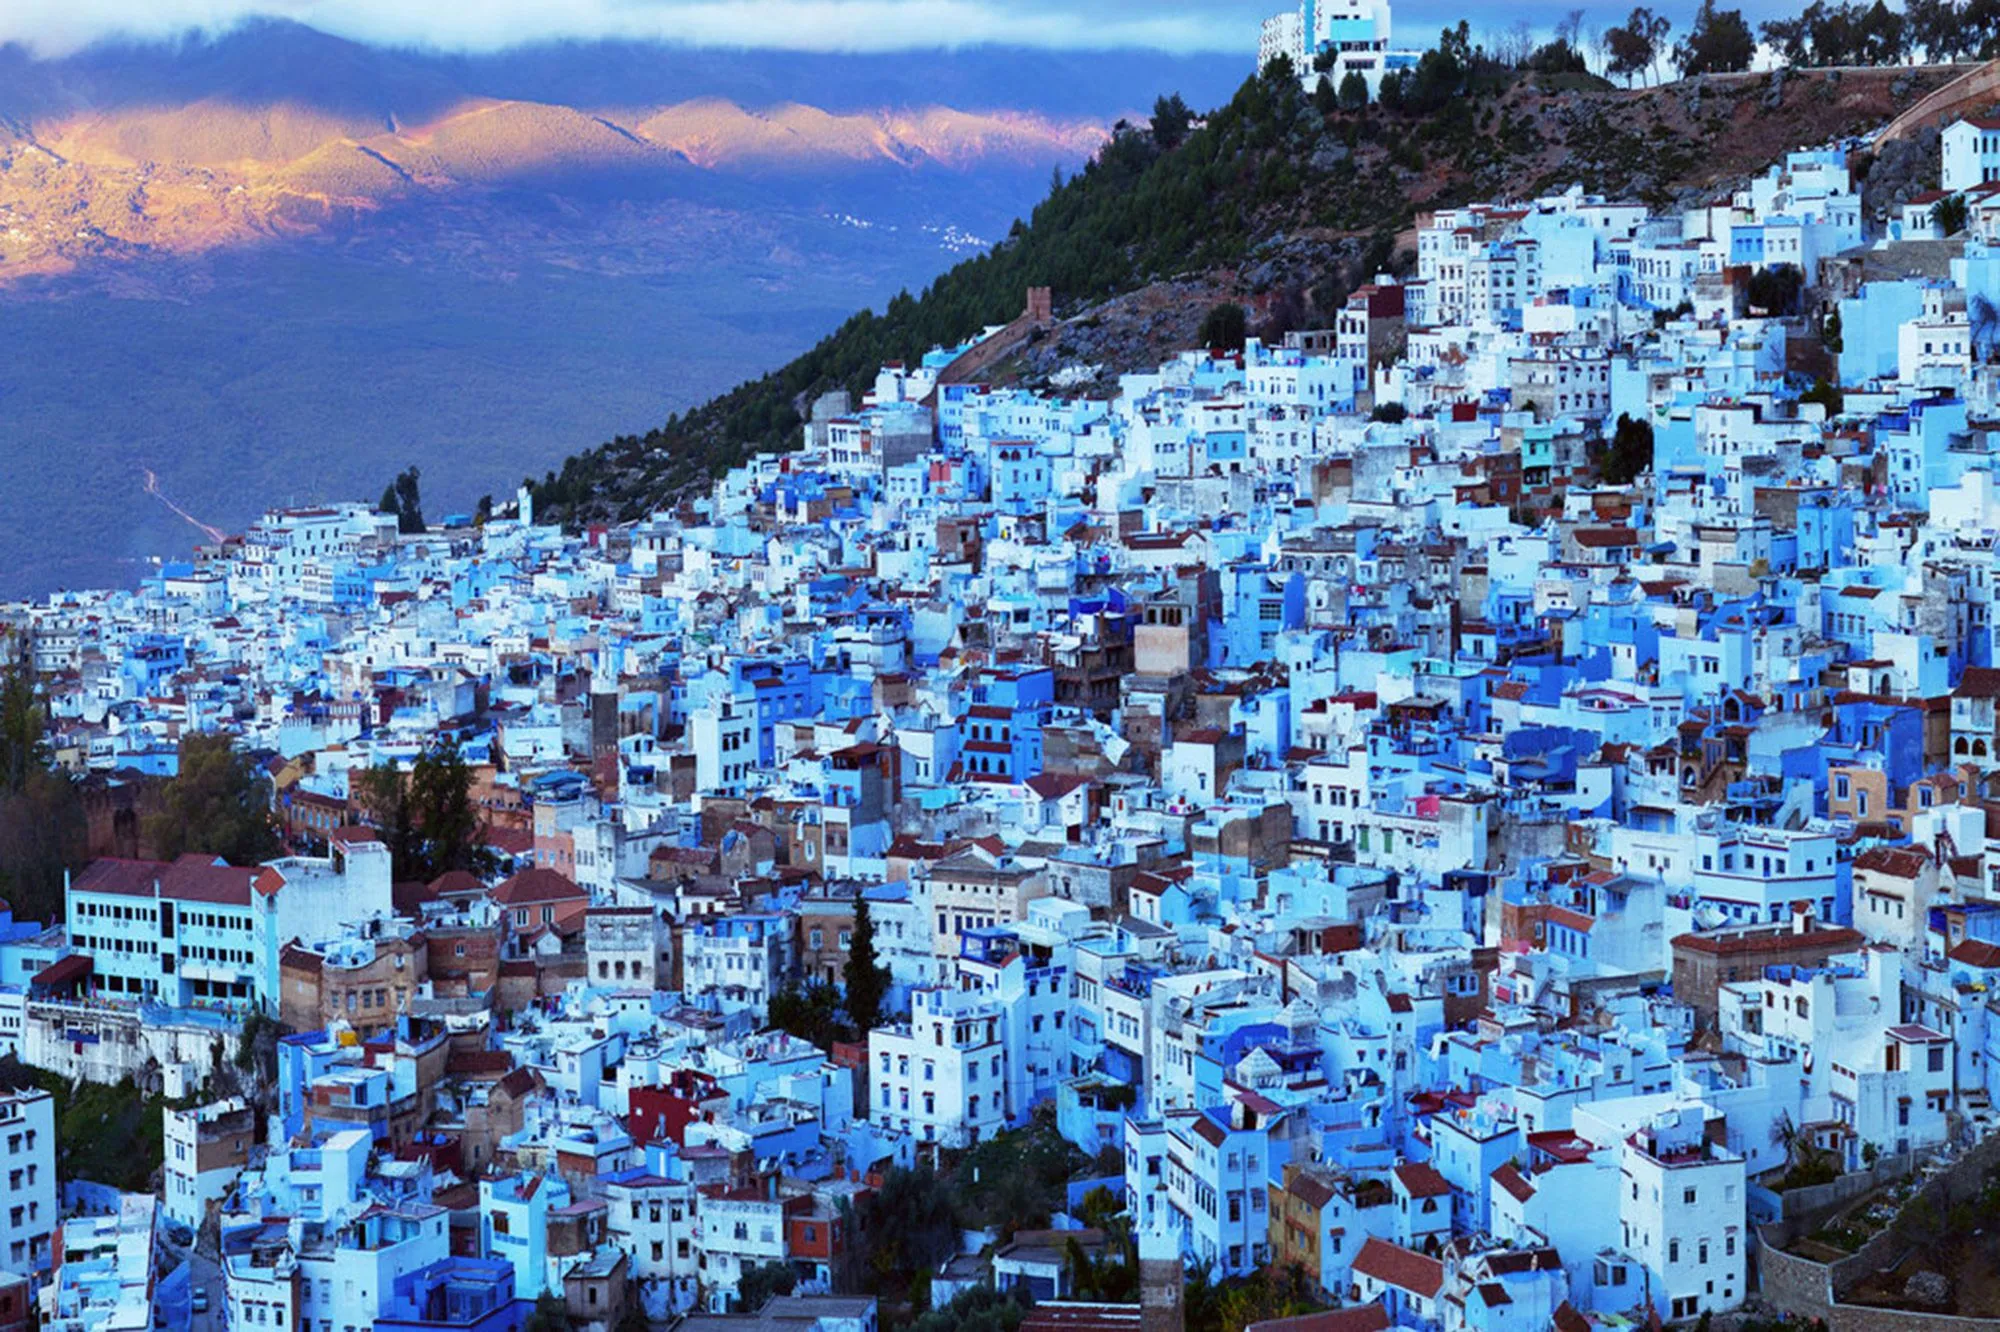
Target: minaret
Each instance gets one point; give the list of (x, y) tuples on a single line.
[(1161, 1275), (604, 701)]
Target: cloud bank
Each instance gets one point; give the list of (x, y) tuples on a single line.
[(52, 28)]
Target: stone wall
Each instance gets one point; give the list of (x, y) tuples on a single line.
[(1969, 93), (1816, 1202), (1810, 1289)]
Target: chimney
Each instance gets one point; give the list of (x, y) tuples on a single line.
[(1802, 917)]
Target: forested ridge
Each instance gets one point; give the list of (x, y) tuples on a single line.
[(1155, 201), (1283, 195)]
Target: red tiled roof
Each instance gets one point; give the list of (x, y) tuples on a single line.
[(510, 841), (1898, 862), (1976, 953), (1567, 1319), (127, 878), (456, 883), (1780, 940), (1394, 1265), (1979, 682), (1421, 1180), (1510, 1178), (192, 878), (64, 971), (1310, 1189), (1054, 786), (537, 885), (1574, 920)]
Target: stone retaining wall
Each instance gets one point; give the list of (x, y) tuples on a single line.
[(1810, 1289), (1969, 93)]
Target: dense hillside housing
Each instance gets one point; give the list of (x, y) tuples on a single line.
[(1466, 803)]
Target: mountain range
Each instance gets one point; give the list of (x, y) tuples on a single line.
[(277, 265), (123, 182)]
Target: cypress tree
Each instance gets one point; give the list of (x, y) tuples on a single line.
[(867, 980)]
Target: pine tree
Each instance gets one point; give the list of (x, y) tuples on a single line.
[(867, 980)]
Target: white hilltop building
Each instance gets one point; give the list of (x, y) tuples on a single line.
[(1355, 33)]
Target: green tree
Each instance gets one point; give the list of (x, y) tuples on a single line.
[(427, 817), (1883, 36), (1569, 29), (809, 1010), (1775, 289), (1630, 452), (758, 1284), (1824, 34), (453, 828), (1634, 45), (1225, 328), (217, 804), (1720, 42), (1558, 57), (1171, 121), (257, 1033), (403, 497), (1946, 30), (915, 1227), (1827, 395), (1018, 1179), (42, 825), (1950, 213), (550, 1315), (866, 980), (1100, 1208), (24, 744), (383, 793), (1353, 91), (980, 1309)]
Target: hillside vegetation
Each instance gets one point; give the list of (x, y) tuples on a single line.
[(1279, 195)]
